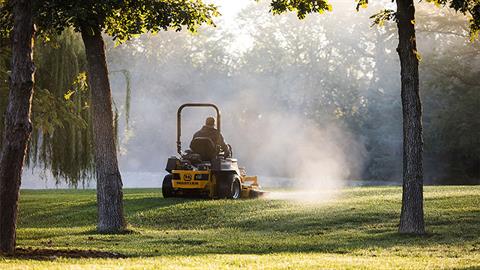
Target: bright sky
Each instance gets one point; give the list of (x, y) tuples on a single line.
[(230, 8)]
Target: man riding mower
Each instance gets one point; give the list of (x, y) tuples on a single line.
[(207, 169)]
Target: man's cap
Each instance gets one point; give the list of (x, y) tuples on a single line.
[(210, 121)]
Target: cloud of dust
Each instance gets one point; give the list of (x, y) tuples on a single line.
[(288, 151)]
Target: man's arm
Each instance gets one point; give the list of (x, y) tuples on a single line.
[(224, 146)]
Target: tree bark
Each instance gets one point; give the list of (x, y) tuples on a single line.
[(411, 218), (109, 182), (17, 122)]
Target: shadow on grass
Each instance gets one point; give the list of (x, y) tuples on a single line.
[(85, 213), (52, 254)]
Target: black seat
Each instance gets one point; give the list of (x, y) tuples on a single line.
[(205, 147)]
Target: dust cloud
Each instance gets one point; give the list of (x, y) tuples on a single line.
[(312, 162)]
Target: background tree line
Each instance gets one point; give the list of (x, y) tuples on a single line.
[(347, 79)]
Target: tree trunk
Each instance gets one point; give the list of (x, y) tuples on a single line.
[(17, 122), (411, 218), (109, 182)]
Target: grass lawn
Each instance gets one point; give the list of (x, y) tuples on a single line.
[(356, 231)]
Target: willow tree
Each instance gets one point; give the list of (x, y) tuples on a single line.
[(61, 137), (412, 216), (61, 140), (61, 124)]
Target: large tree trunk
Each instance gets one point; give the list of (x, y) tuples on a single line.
[(109, 182), (411, 218), (17, 122)]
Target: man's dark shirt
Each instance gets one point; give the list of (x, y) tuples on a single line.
[(214, 135)]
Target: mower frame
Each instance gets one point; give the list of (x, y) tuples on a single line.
[(179, 120)]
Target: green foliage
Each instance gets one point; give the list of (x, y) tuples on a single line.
[(301, 7), (123, 19), (6, 19), (355, 231), (452, 125), (62, 134), (361, 4), (120, 19), (47, 120), (61, 139), (471, 8), (383, 16)]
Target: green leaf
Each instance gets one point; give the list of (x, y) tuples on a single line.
[(67, 95)]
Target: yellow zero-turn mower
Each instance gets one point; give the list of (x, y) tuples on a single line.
[(206, 172)]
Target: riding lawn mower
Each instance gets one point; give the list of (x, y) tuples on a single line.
[(206, 170)]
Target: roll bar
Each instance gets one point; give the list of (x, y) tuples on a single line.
[(179, 120)]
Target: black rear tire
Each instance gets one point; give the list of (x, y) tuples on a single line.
[(229, 186), (167, 189)]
